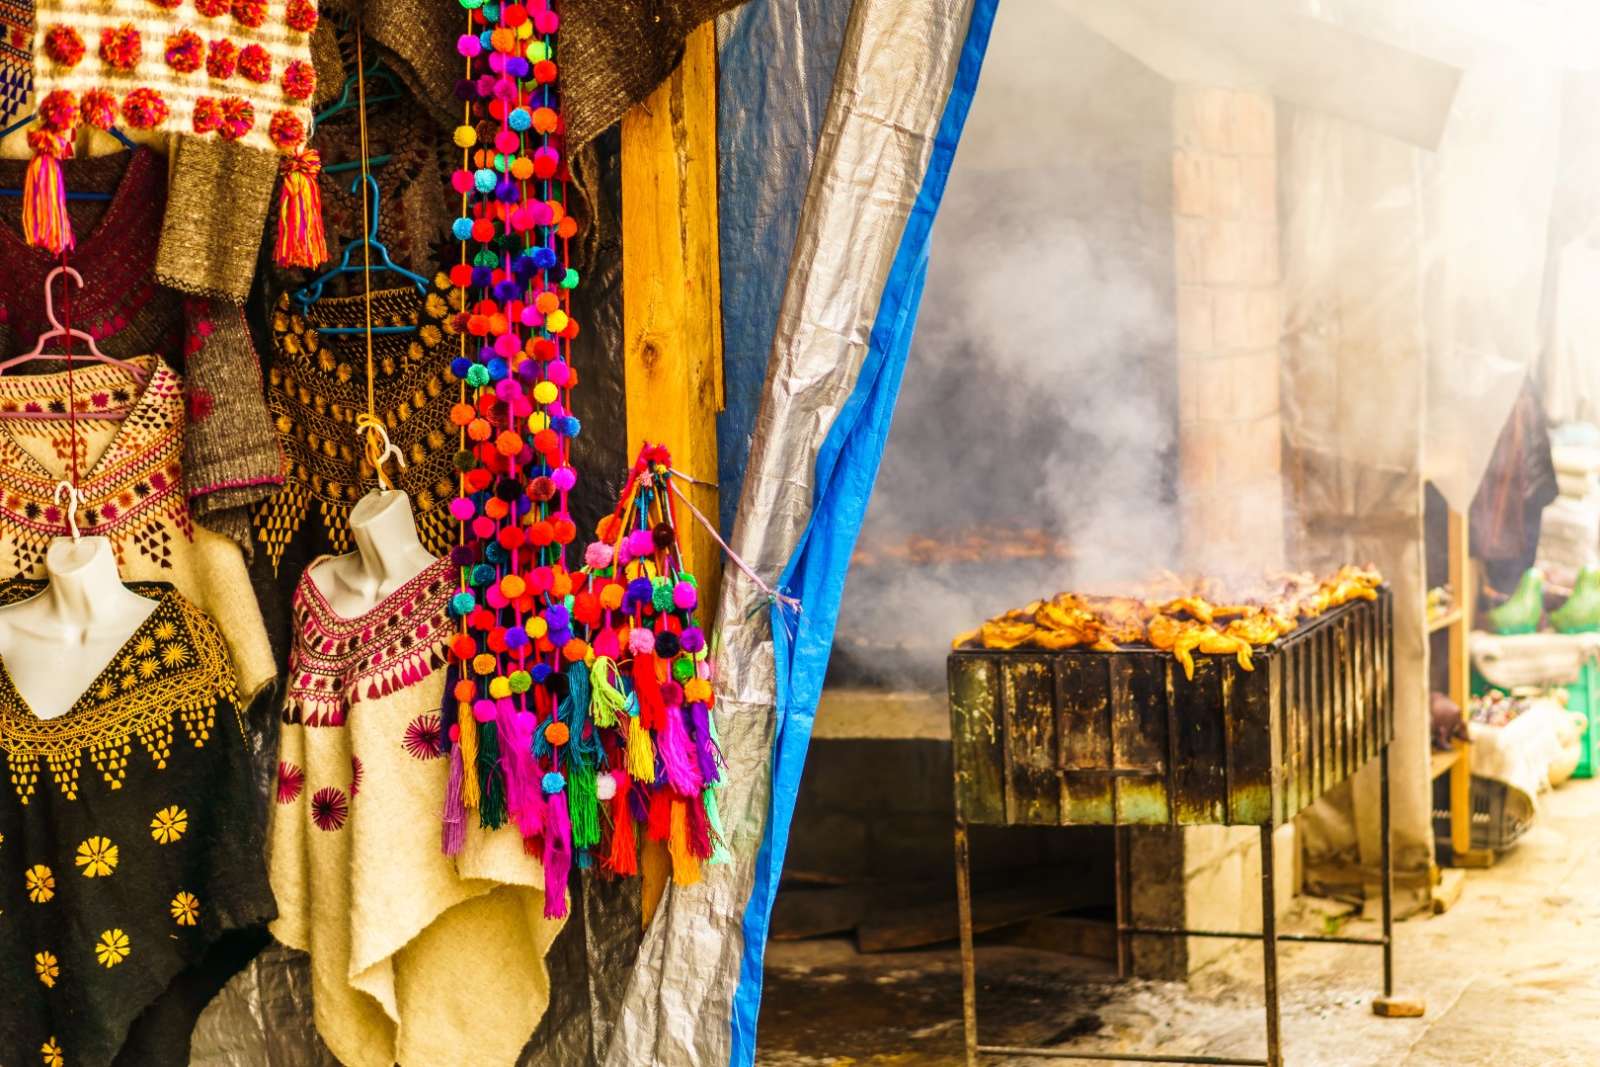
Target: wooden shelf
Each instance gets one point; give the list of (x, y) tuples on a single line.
[(1440, 763), (1447, 620)]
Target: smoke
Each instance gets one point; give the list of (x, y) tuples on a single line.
[(1041, 391)]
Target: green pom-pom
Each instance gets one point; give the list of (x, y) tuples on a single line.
[(569, 280), (682, 669), (520, 681)]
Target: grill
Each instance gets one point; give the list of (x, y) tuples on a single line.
[(1123, 738), (1111, 738)]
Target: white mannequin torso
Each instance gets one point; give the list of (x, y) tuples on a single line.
[(56, 643), (388, 555)]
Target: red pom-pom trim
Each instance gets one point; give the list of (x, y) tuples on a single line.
[(286, 130), (238, 117), (255, 64), (251, 13), (302, 15), (207, 115), (185, 51), (144, 108), (299, 80), (222, 59), (64, 46), (99, 109), (58, 111), (212, 8), (120, 46)]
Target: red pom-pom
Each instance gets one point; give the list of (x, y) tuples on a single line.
[(185, 51), (64, 46), (544, 72), (286, 131), (207, 115), (461, 275), (238, 117), (99, 109), (144, 109), (255, 64), (302, 15), (58, 111), (120, 46), (212, 8), (168, 4), (251, 13), (299, 80), (223, 59)]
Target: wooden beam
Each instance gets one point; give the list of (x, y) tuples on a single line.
[(671, 308)]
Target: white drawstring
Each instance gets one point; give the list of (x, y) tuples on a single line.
[(73, 503), (385, 448)]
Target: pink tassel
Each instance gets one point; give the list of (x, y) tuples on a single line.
[(677, 754), (455, 810), (524, 798), (45, 222), (557, 855), (301, 240)]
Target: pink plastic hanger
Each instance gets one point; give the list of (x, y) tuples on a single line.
[(59, 330)]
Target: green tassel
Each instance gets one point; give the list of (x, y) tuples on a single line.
[(719, 848), (608, 700), (492, 805), (583, 804)]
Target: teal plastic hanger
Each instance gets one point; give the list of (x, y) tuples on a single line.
[(312, 292), (348, 98)]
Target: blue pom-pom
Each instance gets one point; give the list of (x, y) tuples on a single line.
[(482, 575), (517, 66), (516, 637), (462, 229), (566, 425), (463, 602), (494, 552), (482, 276), (460, 366), (507, 192), (544, 257), (540, 671), (485, 179), (519, 119), (560, 637), (553, 782), (638, 592), (498, 368), (506, 290)]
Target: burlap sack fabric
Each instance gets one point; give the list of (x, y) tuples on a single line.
[(613, 53)]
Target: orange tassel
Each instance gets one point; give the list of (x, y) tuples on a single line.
[(624, 856), (685, 867), (45, 223), (302, 241)]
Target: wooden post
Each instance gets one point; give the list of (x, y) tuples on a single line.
[(671, 308)]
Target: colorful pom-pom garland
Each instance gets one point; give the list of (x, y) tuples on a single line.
[(558, 725)]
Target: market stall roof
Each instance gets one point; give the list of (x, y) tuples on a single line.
[(1272, 46)]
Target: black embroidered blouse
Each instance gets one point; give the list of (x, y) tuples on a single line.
[(129, 838)]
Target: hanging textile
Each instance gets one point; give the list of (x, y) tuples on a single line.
[(132, 838), (803, 499), (16, 57)]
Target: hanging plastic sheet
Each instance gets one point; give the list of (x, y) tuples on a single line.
[(850, 300)]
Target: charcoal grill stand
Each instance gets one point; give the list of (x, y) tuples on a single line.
[(1109, 739)]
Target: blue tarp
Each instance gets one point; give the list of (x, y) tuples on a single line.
[(847, 465)]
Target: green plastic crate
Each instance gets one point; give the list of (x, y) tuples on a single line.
[(1584, 695)]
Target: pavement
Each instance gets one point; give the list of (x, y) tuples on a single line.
[(1510, 976)]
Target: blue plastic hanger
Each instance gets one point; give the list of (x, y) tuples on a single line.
[(345, 101), (312, 292), (20, 123)]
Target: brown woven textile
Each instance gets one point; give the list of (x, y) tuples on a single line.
[(219, 197), (230, 459), (317, 386), (612, 52)]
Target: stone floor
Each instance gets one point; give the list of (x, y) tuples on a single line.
[(1511, 976)]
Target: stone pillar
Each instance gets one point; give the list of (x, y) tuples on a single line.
[(1229, 299)]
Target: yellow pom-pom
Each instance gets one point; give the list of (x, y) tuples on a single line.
[(536, 627), (546, 392), (465, 137), (538, 421), (499, 687), (556, 321), (483, 663)]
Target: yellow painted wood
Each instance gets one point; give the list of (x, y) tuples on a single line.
[(671, 309)]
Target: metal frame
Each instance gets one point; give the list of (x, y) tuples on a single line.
[(1269, 937)]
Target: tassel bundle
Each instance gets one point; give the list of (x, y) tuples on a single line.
[(302, 238), (44, 193)]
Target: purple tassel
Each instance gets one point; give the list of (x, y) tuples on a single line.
[(677, 756), (704, 747), (557, 856), (515, 732), (455, 810)]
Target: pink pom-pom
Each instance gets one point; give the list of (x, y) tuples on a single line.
[(641, 543), (685, 596), (468, 44), (641, 641), (483, 709), (598, 555), (462, 509), (564, 477)]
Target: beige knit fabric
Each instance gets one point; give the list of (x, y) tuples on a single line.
[(129, 471), (417, 958)]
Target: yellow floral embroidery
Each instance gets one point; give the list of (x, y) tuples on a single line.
[(144, 646), (185, 909), (148, 668), (47, 967), (112, 948), (41, 884), (169, 824), (165, 631), (174, 655), (51, 1053), (97, 856)]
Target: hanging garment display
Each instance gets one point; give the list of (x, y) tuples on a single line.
[(16, 57), (245, 77), (317, 388), (231, 459), (130, 839), (455, 959), (132, 491)]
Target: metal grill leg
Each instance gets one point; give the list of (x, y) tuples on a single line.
[(1387, 859), (1269, 946), (969, 978), (1120, 850)]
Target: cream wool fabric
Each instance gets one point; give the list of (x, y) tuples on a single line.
[(417, 958), (128, 442)]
